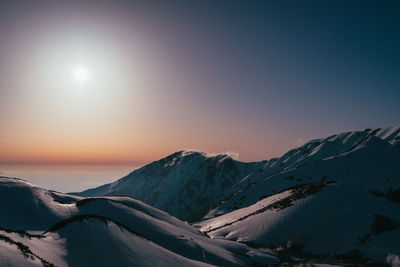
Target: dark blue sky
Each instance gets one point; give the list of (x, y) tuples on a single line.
[(322, 65)]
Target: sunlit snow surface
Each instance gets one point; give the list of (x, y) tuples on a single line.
[(113, 231)]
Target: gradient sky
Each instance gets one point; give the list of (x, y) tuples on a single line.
[(253, 77)]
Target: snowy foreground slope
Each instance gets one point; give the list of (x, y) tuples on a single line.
[(45, 228), (338, 194)]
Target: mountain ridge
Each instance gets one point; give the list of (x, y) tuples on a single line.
[(186, 175), (189, 183)]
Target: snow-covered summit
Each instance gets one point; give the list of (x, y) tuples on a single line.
[(185, 184)]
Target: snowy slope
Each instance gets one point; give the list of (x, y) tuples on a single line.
[(12, 255), (185, 184), (357, 209), (372, 164), (40, 227), (335, 219)]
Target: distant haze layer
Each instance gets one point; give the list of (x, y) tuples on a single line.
[(67, 178)]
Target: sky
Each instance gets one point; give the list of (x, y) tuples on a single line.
[(255, 78)]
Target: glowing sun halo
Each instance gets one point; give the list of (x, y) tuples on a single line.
[(81, 74)]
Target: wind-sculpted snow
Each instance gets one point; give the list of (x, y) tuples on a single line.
[(107, 231), (335, 220), (31, 207), (278, 201), (15, 253)]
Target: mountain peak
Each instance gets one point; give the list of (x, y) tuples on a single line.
[(194, 179), (194, 152)]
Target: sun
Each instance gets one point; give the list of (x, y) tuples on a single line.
[(81, 74)]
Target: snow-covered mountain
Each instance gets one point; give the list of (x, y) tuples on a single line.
[(45, 228), (332, 195), (369, 159), (338, 194), (186, 184)]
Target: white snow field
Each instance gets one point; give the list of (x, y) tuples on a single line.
[(41, 228)]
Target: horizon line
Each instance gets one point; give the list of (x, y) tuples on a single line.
[(73, 163)]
